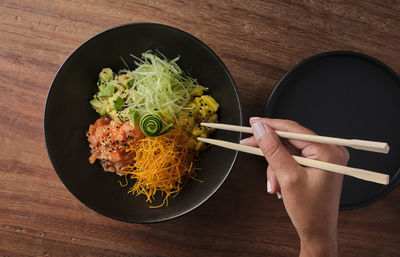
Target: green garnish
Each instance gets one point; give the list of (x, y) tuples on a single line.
[(118, 103), (129, 84), (152, 125)]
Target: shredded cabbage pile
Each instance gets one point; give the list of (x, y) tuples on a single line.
[(159, 86)]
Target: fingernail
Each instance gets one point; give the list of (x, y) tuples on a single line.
[(244, 140), (268, 186), (279, 195), (254, 118), (258, 130)]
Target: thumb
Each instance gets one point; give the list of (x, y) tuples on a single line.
[(274, 151)]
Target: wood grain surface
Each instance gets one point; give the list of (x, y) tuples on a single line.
[(258, 41)]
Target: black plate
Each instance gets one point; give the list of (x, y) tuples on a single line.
[(68, 115), (349, 95)]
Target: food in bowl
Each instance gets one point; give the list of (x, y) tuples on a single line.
[(149, 120)]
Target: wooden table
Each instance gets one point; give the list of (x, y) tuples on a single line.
[(258, 41)]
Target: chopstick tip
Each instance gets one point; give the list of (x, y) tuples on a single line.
[(200, 139), (387, 180), (387, 148)]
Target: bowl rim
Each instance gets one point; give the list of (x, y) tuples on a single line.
[(51, 88)]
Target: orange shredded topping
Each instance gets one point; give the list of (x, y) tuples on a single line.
[(162, 163)]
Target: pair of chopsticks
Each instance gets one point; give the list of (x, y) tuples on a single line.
[(367, 175)]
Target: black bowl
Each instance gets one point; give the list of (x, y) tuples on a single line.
[(68, 115), (346, 95)]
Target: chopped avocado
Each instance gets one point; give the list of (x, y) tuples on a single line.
[(113, 114), (117, 103), (106, 74), (107, 90), (101, 85), (98, 106), (125, 80)]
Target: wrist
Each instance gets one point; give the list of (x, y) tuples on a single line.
[(326, 247)]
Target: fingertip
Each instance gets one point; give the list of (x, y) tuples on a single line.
[(268, 186), (249, 141), (259, 129), (254, 119), (244, 140), (272, 181)]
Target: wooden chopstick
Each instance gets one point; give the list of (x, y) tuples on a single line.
[(372, 146), (354, 172)]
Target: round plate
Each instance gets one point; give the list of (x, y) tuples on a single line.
[(347, 95), (68, 115)]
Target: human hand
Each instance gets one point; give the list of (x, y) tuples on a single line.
[(311, 196)]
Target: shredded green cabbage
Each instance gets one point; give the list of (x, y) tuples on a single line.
[(159, 86)]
